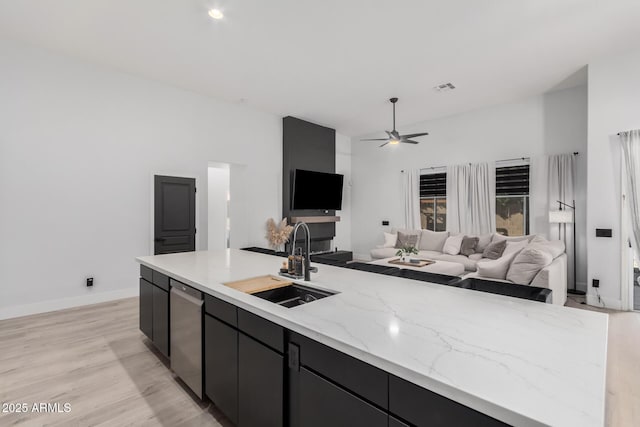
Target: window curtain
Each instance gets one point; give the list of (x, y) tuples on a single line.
[(411, 191), (471, 198), (631, 150)]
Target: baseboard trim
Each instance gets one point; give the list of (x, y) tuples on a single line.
[(614, 304), (63, 303)]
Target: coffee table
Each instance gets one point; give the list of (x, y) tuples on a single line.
[(438, 267)]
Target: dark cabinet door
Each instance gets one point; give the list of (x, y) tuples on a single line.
[(161, 320), (174, 214), (221, 366), (260, 385), (146, 308), (322, 403)]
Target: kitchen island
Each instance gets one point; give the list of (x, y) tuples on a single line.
[(521, 362)]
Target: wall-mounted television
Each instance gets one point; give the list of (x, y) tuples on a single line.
[(316, 190)]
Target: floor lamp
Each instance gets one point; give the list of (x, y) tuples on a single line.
[(565, 217)]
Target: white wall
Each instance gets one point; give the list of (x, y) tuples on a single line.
[(614, 106), (217, 193), (78, 146), (551, 123), (343, 166)]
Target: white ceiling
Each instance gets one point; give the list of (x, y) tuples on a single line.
[(336, 62)]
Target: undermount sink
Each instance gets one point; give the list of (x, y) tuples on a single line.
[(293, 295)]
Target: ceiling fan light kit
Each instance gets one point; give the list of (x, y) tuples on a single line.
[(393, 137)]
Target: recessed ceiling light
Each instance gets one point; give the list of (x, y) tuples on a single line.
[(216, 14)]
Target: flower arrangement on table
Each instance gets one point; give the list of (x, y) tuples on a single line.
[(405, 252), (278, 235)]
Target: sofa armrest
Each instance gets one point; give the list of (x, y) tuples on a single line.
[(554, 277)]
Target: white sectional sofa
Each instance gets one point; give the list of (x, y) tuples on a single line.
[(552, 276)]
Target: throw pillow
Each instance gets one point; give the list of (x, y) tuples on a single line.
[(405, 240), (527, 264), (452, 245), (390, 240), (495, 269), (433, 240), (483, 241), (554, 247), (495, 249), (514, 247), (468, 246)]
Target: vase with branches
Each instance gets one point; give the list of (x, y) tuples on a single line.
[(278, 234)]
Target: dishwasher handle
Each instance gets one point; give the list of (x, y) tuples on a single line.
[(192, 295)]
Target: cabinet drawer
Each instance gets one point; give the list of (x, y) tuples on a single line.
[(146, 273), (359, 377), (222, 310), (261, 330), (422, 407), (322, 403), (161, 280)]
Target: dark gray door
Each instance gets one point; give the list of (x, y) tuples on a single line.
[(174, 214)]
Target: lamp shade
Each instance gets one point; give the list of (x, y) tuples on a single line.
[(560, 217)]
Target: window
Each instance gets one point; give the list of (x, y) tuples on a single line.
[(433, 201), (512, 200)]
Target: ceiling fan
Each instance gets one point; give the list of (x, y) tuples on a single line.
[(394, 137)]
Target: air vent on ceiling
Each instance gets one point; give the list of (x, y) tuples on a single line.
[(445, 87)]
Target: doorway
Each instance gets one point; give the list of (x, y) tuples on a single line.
[(174, 214), (218, 208)]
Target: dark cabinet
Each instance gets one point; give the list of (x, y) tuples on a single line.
[(154, 308), (221, 366), (422, 407), (260, 384), (161, 320), (322, 403), (146, 308)]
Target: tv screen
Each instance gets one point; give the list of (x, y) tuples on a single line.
[(317, 190)]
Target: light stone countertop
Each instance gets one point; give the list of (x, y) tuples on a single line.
[(523, 362)]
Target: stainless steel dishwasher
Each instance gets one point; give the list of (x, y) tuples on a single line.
[(186, 335)]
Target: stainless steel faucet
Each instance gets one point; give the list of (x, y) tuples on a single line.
[(306, 266)]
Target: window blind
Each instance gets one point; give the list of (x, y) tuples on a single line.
[(433, 185), (512, 180)]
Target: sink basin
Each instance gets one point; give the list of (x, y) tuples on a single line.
[(293, 295)]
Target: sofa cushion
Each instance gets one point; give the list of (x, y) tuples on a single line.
[(468, 246), (429, 254), (513, 247), (495, 269), (432, 240), (405, 239), (483, 241), (554, 247), (499, 237), (495, 249), (475, 257), (390, 240), (452, 245), (527, 264), (379, 253), (469, 264)]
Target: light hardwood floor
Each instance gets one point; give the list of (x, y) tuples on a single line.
[(96, 359)]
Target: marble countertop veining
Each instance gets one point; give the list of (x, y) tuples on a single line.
[(522, 362)]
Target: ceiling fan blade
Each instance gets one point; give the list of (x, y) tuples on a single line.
[(375, 139), (414, 135), (384, 144), (410, 141)]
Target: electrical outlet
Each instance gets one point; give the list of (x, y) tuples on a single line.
[(596, 283), (89, 282)]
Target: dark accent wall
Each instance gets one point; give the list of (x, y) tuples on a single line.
[(312, 147)]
